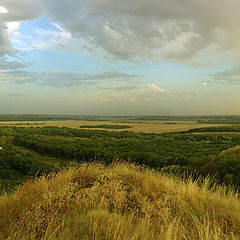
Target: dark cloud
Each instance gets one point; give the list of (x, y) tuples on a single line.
[(21, 10), (11, 65), (175, 30), (137, 29), (5, 45), (109, 75), (231, 76)]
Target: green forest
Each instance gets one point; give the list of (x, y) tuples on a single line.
[(35, 151), (227, 129)]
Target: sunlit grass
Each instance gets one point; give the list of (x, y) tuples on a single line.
[(118, 202)]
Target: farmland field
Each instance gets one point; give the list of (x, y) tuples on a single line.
[(147, 126)]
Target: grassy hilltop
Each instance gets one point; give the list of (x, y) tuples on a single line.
[(120, 201)]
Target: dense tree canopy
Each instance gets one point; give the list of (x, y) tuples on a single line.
[(25, 150)]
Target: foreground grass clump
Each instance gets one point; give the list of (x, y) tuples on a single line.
[(117, 202)]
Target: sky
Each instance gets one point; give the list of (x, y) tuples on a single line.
[(111, 57)]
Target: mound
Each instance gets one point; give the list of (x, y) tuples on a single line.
[(227, 166), (117, 202)]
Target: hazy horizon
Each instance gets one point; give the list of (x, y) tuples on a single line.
[(119, 58)]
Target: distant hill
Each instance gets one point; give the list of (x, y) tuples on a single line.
[(119, 202)]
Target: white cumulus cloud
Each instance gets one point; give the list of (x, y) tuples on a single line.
[(156, 88), (3, 10)]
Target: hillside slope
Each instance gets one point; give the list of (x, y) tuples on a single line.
[(117, 202)]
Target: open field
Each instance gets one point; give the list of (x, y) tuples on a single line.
[(147, 126)]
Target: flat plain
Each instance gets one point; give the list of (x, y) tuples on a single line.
[(146, 126)]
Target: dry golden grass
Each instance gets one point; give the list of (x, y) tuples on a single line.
[(119, 202), (147, 126)]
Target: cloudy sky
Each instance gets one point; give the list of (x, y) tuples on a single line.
[(114, 57)]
